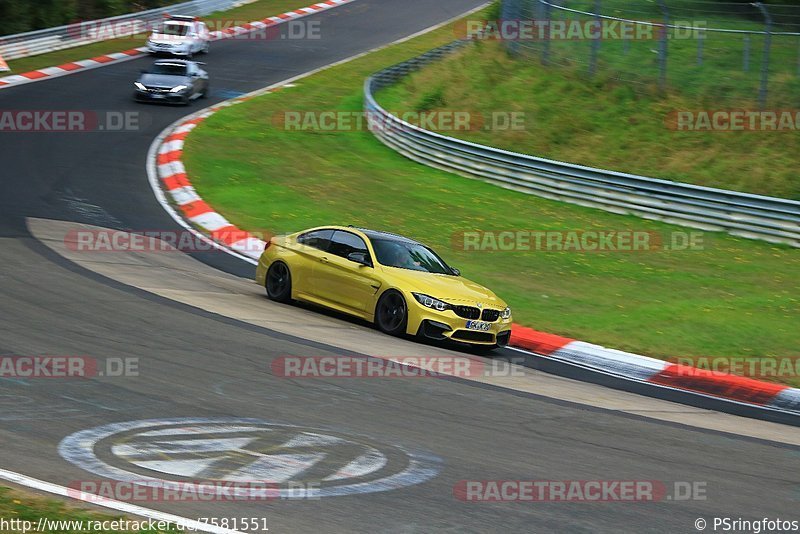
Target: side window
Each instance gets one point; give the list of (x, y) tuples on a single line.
[(344, 243), (318, 239)]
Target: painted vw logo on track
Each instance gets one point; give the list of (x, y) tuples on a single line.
[(246, 450)]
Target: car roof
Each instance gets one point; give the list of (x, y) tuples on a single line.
[(371, 234), (181, 18)]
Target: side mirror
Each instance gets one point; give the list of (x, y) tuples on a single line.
[(456, 272), (360, 258)]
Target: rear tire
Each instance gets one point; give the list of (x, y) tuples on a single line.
[(279, 282), (391, 313)]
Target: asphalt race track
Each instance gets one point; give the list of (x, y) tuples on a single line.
[(204, 368)]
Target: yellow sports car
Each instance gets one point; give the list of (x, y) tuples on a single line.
[(399, 284)]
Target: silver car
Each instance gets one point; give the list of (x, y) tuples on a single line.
[(176, 81)]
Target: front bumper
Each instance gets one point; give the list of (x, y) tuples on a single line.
[(167, 98), (433, 324), (170, 50)]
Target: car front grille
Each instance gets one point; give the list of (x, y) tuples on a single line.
[(471, 312), (473, 335), (490, 316), (467, 312), (157, 90)]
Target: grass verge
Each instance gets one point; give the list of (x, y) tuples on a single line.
[(733, 297), (247, 13), (16, 505), (600, 122)]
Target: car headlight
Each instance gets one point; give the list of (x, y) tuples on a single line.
[(506, 313), (179, 88), (139, 86), (430, 302)]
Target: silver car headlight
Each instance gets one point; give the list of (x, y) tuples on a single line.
[(179, 89), (139, 86), (430, 302), (506, 313)]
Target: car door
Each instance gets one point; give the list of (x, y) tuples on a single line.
[(194, 36), (344, 283), (309, 247)]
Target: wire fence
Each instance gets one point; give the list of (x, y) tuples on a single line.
[(722, 53)]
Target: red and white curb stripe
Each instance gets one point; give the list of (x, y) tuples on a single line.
[(660, 372), (127, 55), (173, 180)]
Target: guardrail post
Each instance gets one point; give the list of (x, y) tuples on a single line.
[(595, 40), (762, 90), (663, 48)]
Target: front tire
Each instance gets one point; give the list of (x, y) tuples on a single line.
[(279, 282), (391, 313)]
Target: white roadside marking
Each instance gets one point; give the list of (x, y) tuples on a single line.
[(127, 508)]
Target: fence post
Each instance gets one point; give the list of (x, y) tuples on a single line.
[(547, 27), (746, 53), (701, 37), (662, 47), (509, 11), (798, 57), (595, 40), (762, 90)]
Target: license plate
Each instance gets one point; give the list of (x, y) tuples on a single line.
[(478, 325), (157, 95)]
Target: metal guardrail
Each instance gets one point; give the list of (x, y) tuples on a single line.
[(80, 33), (766, 218)]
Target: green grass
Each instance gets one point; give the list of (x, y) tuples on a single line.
[(734, 298), (28, 507), (256, 11), (600, 123)]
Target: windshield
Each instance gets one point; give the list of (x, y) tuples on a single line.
[(173, 69), (174, 29), (407, 255)]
